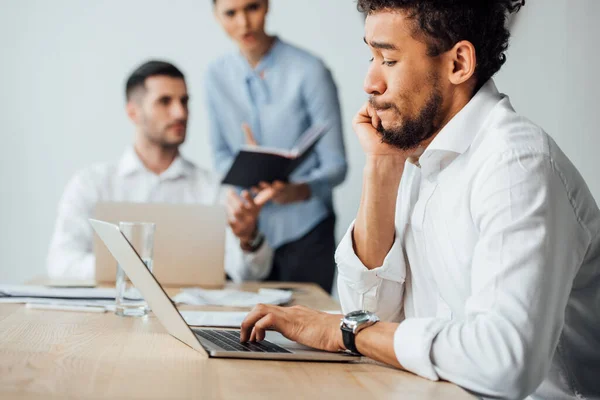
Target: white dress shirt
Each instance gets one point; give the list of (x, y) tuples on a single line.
[(494, 274), (71, 255)]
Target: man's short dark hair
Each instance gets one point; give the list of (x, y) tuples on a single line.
[(138, 77), (443, 23)]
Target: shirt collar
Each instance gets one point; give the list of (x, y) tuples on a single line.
[(266, 62), (130, 164), (458, 134)]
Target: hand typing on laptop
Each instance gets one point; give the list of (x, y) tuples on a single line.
[(320, 330), (309, 327)]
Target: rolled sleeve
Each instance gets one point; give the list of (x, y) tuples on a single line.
[(246, 266), (378, 290), (412, 345)]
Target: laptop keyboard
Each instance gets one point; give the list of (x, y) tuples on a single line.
[(230, 341)]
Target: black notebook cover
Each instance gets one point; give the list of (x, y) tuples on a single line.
[(254, 165)]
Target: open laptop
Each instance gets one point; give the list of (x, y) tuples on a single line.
[(220, 343), (189, 242)]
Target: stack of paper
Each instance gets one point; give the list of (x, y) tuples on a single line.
[(58, 296), (232, 298), (27, 293)]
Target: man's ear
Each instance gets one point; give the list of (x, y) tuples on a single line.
[(133, 111), (462, 60)]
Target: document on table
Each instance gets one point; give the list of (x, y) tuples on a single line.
[(232, 298), (66, 302), (43, 292)]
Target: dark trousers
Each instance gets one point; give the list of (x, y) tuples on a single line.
[(308, 259)]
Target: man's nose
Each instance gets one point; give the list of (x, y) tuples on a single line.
[(179, 111), (374, 83), (243, 20)]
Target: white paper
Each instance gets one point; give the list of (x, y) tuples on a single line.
[(232, 298), (107, 303), (58, 293), (221, 319)]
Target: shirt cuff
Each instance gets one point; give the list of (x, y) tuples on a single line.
[(259, 262), (319, 188), (412, 345), (360, 278)]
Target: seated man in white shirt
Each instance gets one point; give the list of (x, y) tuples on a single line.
[(153, 171), (477, 242)]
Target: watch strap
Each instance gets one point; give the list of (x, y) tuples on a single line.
[(349, 340), (255, 243)]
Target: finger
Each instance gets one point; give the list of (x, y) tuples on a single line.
[(236, 203), (264, 196), (375, 120), (278, 185), (251, 319), (363, 115), (234, 199), (244, 196), (256, 335), (263, 185), (233, 207), (249, 205), (249, 135), (235, 210), (268, 322), (231, 213)]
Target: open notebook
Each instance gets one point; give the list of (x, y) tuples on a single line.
[(254, 164)]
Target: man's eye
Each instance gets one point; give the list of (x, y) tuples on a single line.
[(253, 7), (229, 13), (389, 63), (371, 59)]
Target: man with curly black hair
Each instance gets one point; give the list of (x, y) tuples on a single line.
[(477, 242)]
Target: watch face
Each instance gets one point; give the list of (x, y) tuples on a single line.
[(358, 317)]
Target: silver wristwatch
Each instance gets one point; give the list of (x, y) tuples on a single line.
[(354, 322)]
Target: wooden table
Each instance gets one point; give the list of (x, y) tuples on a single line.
[(61, 355)]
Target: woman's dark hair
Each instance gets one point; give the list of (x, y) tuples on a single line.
[(443, 23), (138, 77)]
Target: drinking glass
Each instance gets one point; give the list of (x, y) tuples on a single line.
[(129, 301)]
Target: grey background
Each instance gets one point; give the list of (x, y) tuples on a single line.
[(64, 62)]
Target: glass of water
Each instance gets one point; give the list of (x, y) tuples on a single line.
[(129, 301)]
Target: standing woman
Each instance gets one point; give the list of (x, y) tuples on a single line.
[(271, 92)]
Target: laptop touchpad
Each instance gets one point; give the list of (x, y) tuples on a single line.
[(279, 339)]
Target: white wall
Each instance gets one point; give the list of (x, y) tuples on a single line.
[(552, 77), (64, 62)]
